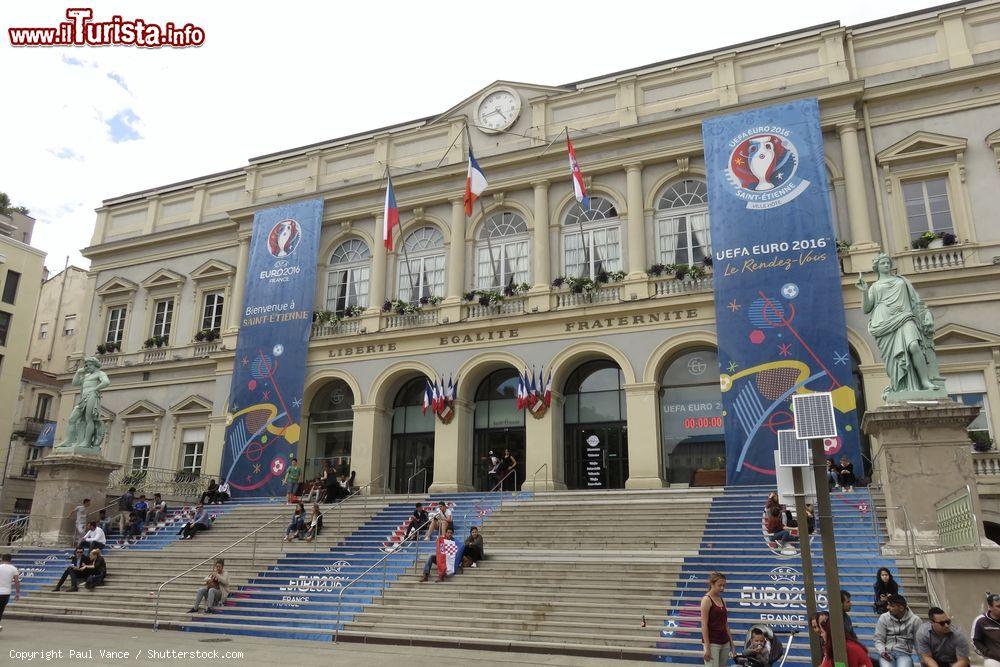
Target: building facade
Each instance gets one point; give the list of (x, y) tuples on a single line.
[(21, 270), (909, 112)]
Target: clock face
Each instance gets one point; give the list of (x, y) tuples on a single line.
[(498, 111)]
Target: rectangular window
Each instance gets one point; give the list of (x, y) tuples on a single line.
[(116, 324), (163, 315), (4, 327), (346, 288), (600, 251), (684, 239), (970, 389), (43, 331), (69, 326), (212, 312), (42, 408), (10, 287), (927, 206), (141, 444), (510, 261), (31, 456), (425, 277), (193, 441)]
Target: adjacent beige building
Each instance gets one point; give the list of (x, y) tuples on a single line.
[(21, 270), (58, 320), (910, 114)]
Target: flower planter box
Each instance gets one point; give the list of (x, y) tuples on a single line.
[(702, 477)]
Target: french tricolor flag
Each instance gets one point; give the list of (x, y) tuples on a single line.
[(390, 215), (579, 189), (427, 398), (475, 183)]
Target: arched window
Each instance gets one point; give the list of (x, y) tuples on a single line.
[(425, 274), (349, 276), (597, 247), (682, 234), (505, 236), (691, 432)]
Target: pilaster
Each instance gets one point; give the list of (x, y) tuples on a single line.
[(543, 439), (453, 451), (645, 461)]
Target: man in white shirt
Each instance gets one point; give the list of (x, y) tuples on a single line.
[(79, 514), (94, 538), (9, 580)]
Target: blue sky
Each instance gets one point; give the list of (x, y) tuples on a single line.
[(94, 123)]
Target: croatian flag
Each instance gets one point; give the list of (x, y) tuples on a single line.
[(390, 215), (579, 189), (446, 552), (475, 183)]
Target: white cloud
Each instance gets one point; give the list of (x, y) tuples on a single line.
[(300, 73)]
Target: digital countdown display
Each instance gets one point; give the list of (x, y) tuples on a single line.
[(691, 411), (696, 423)]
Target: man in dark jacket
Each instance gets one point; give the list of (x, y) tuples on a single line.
[(986, 632), (76, 561), (418, 521), (92, 573)]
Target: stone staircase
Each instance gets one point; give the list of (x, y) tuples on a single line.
[(609, 573)]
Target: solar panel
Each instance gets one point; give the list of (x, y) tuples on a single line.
[(793, 452), (814, 416)]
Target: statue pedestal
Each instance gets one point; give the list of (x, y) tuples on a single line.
[(923, 455), (64, 480)]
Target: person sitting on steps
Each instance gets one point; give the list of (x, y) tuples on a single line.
[(158, 511), (93, 573), (210, 493), (444, 541), (215, 589), (419, 521), (76, 561), (200, 521), (297, 524), (441, 520), (846, 476), (315, 525), (94, 538), (473, 548)]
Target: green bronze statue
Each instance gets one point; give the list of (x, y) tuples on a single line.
[(86, 432), (903, 327)]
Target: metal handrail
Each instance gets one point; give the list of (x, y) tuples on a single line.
[(253, 562), (535, 476), (369, 486), (919, 557), (9, 529), (409, 482), (402, 545)]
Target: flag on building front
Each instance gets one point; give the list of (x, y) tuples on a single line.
[(390, 214), (475, 183), (579, 189)]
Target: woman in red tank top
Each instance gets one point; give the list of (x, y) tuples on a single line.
[(715, 623)]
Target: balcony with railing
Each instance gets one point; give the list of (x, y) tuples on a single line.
[(670, 285), (420, 318), (507, 307), (335, 329), (32, 427), (152, 355), (599, 295), (171, 483), (945, 258)]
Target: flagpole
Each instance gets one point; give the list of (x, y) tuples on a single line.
[(482, 212), (402, 241), (583, 238)]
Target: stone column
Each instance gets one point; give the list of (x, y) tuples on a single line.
[(63, 481), (239, 284), (923, 456), (451, 307), (636, 227), (453, 451), (645, 465), (376, 295), (862, 248), (541, 256), (370, 446), (543, 440)]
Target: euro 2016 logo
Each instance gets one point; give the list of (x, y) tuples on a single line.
[(762, 169), (284, 238)]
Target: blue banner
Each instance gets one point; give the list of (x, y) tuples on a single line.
[(778, 302), (46, 437), (265, 399)]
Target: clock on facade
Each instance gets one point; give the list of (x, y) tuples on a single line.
[(498, 110)]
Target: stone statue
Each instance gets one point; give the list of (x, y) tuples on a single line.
[(904, 329), (86, 432)]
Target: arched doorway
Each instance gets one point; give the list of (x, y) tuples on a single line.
[(498, 425), (859, 398), (691, 431), (596, 434), (331, 425), (411, 449)]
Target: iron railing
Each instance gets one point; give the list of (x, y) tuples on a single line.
[(399, 548), (409, 482), (159, 480), (534, 477), (14, 530), (956, 519)]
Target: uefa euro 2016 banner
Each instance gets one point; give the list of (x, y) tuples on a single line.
[(779, 308), (265, 399)]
